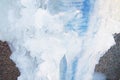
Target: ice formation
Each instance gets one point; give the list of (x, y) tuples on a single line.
[(58, 39)]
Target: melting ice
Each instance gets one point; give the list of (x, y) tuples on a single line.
[(58, 39)]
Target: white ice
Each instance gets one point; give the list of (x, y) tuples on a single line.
[(43, 48)]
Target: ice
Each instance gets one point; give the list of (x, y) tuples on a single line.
[(99, 76), (58, 39)]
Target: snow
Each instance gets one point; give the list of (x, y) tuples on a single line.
[(58, 40)]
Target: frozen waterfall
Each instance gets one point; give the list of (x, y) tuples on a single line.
[(58, 39)]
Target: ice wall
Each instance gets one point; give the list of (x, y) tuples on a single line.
[(58, 39)]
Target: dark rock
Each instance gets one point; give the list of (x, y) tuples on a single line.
[(8, 69), (109, 64)]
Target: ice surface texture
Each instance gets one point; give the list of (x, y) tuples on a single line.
[(58, 39)]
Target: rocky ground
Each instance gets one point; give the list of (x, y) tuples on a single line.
[(109, 64), (8, 70)]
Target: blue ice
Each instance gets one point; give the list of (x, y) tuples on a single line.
[(81, 27), (82, 22)]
